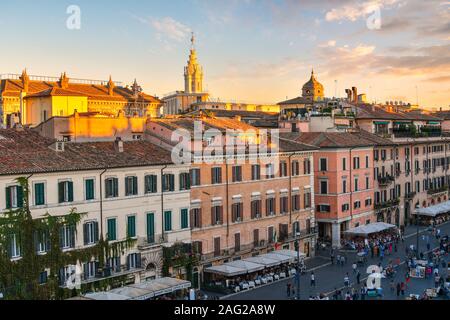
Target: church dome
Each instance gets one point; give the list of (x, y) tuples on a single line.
[(313, 89)]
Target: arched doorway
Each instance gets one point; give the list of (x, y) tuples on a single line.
[(397, 218), (407, 213), (389, 217), (150, 272)]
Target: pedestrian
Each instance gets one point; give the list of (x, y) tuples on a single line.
[(363, 293), (313, 279), (398, 289), (348, 296), (288, 288), (354, 294), (395, 247), (335, 294), (372, 251), (354, 267), (437, 280), (392, 286), (338, 259), (342, 260), (332, 258), (402, 288), (358, 277), (346, 280)]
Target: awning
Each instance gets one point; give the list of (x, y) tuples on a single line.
[(150, 289), (290, 253), (370, 228), (110, 296), (381, 122), (263, 260), (249, 266), (280, 257), (226, 270), (435, 210)]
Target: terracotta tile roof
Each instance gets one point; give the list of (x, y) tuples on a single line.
[(337, 139), (242, 113), (443, 115), (375, 112), (26, 152), (12, 88), (55, 92), (298, 100)]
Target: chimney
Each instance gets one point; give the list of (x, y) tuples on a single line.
[(118, 145), (355, 94), (349, 94)]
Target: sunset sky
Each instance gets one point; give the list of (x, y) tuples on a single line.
[(251, 50)]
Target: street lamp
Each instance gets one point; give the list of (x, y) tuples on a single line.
[(297, 248)]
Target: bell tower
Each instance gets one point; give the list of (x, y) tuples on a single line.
[(193, 72)]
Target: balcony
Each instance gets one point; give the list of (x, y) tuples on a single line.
[(414, 132), (410, 195), (385, 181), (437, 190), (387, 204), (151, 241)]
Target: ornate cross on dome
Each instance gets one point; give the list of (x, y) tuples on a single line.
[(193, 40)]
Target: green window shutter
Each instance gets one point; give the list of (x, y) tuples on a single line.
[(150, 227), (184, 219), (112, 236), (168, 221), (72, 236), (154, 184), (61, 192), (131, 230), (70, 191), (116, 187), (172, 182), (89, 185), (135, 185), (19, 196), (39, 195), (96, 237), (8, 198)]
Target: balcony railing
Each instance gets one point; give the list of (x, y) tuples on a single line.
[(422, 132), (385, 181), (151, 240), (437, 190), (387, 204)]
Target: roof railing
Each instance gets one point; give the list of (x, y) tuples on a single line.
[(13, 76)]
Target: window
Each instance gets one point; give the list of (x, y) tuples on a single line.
[(90, 232), (271, 235), (184, 218), (114, 264), (324, 187), (344, 186), (307, 166), (14, 197), (65, 191), (67, 236), (237, 173), (14, 247), (256, 209), (43, 276), (345, 207), (367, 183), (368, 202), (357, 205), (344, 164), (307, 198), (356, 163), (323, 208), (296, 228), (112, 229), (356, 187), (236, 212), (284, 205), (134, 261), (270, 207), (131, 186), (283, 169), (111, 188), (417, 186), (295, 168), (168, 181), (323, 164), (256, 237), (296, 202), (195, 177), (256, 172), (167, 220), (131, 226), (185, 181), (375, 155), (90, 269), (216, 215), (217, 250), (39, 194), (150, 228), (216, 175), (237, 242), (196, 215), (89, 189), (151, 183), (42, 241), (270, 173), (367, 160)]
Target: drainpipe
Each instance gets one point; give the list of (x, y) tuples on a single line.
[(227, 186), (162, 201), (101, 201), (290, 188)]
